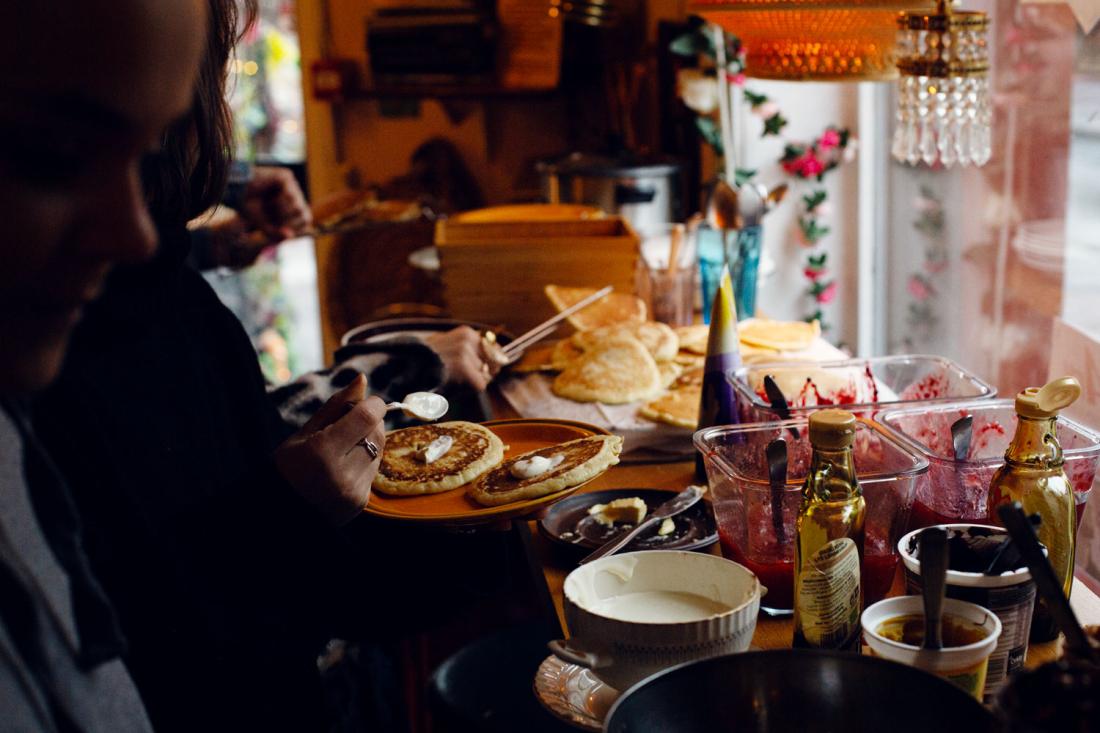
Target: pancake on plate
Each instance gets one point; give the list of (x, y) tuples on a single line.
[(694, 338), (679, 407), (580, 460), (689, 360), (404, 471), (612, 373), (670, 371), (778, 335), (659, 339), (610, 309), (538, 358), (565, 353)]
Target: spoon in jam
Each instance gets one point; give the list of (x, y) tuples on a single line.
[(422, 405), (933, 577)]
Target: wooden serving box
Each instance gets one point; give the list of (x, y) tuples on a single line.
[(494, 271)]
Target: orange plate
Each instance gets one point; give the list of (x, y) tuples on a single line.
[(456, 508)]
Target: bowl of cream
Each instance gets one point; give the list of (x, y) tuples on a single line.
[(634, 614)]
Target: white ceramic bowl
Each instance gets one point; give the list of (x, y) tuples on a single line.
[(629, 643)]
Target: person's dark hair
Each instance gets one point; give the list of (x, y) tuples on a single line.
[(188, 175)]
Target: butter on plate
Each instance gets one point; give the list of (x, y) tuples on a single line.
[(627, 510)]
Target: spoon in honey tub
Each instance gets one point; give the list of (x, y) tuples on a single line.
[(422, 405), (933, 578)]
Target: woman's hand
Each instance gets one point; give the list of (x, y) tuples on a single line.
[(332, 461), (467, 357)]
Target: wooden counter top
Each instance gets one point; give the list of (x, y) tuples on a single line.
[(771, 633)]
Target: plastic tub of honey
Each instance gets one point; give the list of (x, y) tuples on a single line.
[(956, 491), (1010, 595), (756, 527), (894, 630)]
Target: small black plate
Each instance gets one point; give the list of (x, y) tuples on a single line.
[(567, 523)]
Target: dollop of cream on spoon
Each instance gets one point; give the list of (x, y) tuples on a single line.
[(536, 466), (425, 405)]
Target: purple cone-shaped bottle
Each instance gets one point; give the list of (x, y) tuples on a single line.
[(718, 405)]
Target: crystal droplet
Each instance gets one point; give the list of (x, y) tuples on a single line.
[(946, 144), (928, 152), (912, 147)]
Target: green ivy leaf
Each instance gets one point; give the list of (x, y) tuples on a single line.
[(791, 151), (774, 124), (817, 262), (691, 44), (755, 99), (708, 129), (812, 232), (743, 175), (814, 199)]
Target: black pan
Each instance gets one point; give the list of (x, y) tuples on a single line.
[(798, 692)]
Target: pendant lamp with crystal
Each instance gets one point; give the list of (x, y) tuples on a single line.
[(813, 40), (944, 112)]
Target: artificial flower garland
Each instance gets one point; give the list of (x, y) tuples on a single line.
[(803, 161)]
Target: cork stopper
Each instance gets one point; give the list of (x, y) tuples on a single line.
[(832, 429), (1047, 401)]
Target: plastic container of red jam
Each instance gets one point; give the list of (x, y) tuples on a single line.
[(955, 491), (863, 386), (757, 527)]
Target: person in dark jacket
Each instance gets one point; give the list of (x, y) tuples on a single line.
[(85, 87), (213, 526)]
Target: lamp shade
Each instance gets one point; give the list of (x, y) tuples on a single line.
[(813, 40)]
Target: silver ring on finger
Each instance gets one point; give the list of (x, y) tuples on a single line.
[(370, 447)]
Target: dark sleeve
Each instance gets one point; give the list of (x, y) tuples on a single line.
[(393, 369), (200, 256)]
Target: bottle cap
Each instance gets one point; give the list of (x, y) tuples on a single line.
[(832, 429), (1047, 401)]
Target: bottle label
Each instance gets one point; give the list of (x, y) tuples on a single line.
[(828, 594)]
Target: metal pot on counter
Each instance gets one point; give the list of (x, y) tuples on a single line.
[(644, 191)]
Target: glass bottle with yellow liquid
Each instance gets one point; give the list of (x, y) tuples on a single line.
[(829, 550), (1033, 474)]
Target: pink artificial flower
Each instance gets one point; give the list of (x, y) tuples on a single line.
[(809, 166), (737, 79), (829, 139), (792, 165), (918, 288), (828, 295), (766, 110), (812, 274), (925, 205)]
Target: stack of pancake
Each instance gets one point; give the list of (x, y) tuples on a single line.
[(617, 356)]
